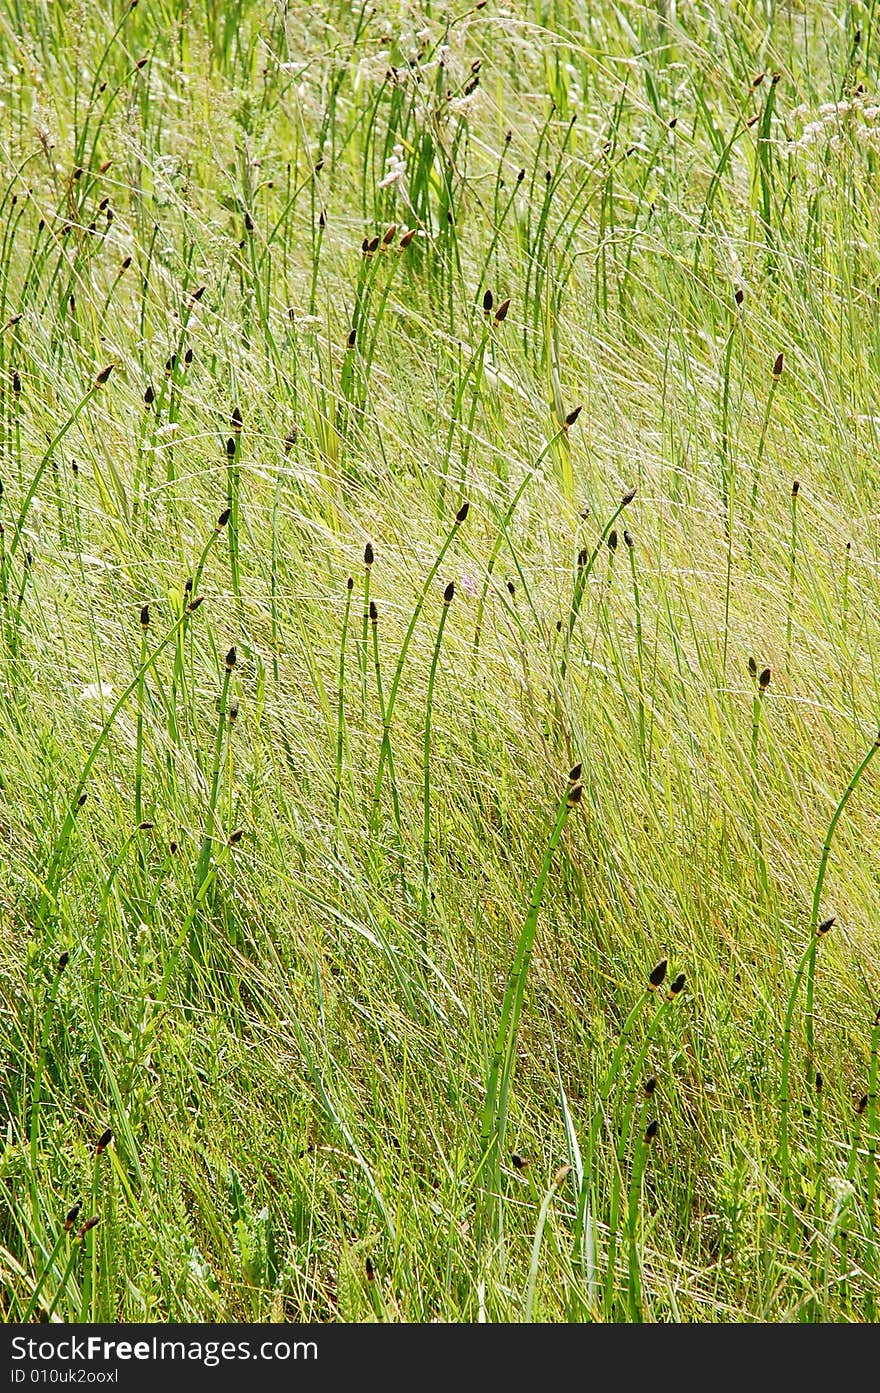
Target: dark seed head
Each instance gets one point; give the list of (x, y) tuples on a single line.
[(374, 613), (511, 588), (501, 312), (612, 539), (352, 338), (63, 960), (370, 1270), (230, 448), (103, 375), (572, 417), (223, 519), (407, 237), (488, 302), (739, 297), (349, 584), (820, 1082), (81, 800), (104, 1141), (389, 235), (72, 1216), (145, 616), (628, 538), (146, 826), (448, 593), (194, 604), (778, 365), (627, 498), (824, 927), (795, 488), (231, 658), (16, 383), (89, 1225), (372, 245), (658, 975), (575, 773), (676, 986), (462, 512), (651, 1131), (149, 396), (753, 667), (862, 1104), (575, 795), (583, 558), (236, 836), (518, 1162), (764, 679), (369, 554), (237, 420), (649, 1086), (233, 711), (248, 222)]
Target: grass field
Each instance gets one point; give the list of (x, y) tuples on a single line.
[(440, 640)]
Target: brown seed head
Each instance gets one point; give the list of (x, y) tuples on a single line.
[(764, 679), (63, 960), (462, 512), (231, 658), (104, 1141), (778, 365), (104, 374), (71, 1216), (369, 554), (89, 1225), (823, 928), (651, 1131), (575, 773), (145, 616), (223, 519), (658, 975), (676, 986), (572, 417), (448, 593), (501, 312)]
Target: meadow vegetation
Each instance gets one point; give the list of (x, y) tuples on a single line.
[(439, 655)]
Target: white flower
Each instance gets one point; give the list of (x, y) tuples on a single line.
[(96, 691), (395, 170)]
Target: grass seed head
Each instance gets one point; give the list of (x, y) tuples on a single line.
[(676, 986), (230, 448), (145, 616), (861, 1104), (649, 1086), (149, 395), (825, 926), (236, 836), (63, 960), (71, 1216), (572, 417), (369, 554), (462, 512), (575, 773), (236, 419), (501, 312), (739, 296), (820, 1082), (612, 539), (764, 679), (795, 488), (223, 519), (374, 613), (628, 539), (104, 1141), (89, 1225), (627, 498), (104, 374), (658, 975), (753, 667), (651, 1131), (231, 658), (448, 593), (488, 302), (349, 584), (778, 365), (575, 795)]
